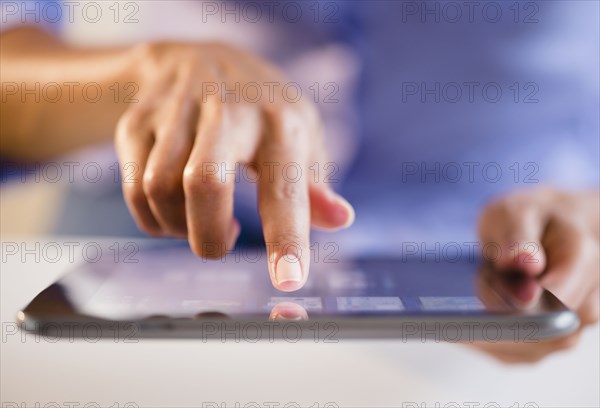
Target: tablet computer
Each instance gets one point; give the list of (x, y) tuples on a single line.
[(171, 293)]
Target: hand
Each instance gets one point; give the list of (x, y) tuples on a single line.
[(551, 236), (183, 135)]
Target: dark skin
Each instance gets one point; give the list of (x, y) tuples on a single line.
[(165, 139), (554, 238), (175, 126)]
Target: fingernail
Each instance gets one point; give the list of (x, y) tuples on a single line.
[(288, 273)]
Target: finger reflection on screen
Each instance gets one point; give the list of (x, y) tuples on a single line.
[(288, 311), (506, 291)]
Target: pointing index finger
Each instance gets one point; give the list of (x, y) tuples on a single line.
[(284, 202)]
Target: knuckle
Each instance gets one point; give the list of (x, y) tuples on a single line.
[(196, 180), (288, 124), (130, 124), (291, 193), (160, 185), (285, 194)]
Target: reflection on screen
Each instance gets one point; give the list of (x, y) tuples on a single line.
[(173, 282)]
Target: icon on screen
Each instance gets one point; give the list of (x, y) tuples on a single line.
[(441, 303), (369, 304), (310, 304)]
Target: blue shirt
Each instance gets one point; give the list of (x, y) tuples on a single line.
[(454, 106)]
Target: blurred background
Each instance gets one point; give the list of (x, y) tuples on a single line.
[(430, 108)]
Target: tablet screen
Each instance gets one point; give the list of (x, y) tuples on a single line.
[(174, 283)]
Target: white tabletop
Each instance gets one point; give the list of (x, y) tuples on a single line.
[(172, 373)]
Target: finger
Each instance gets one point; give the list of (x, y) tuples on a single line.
[(209, 187), (283, 201), (286, 311), (512, 231), (572, 271), (505, 292), (328, 210), (133, 143), (488, 292), (163, 179)]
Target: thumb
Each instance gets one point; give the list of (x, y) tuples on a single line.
[(329, 210), (517, 235)]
